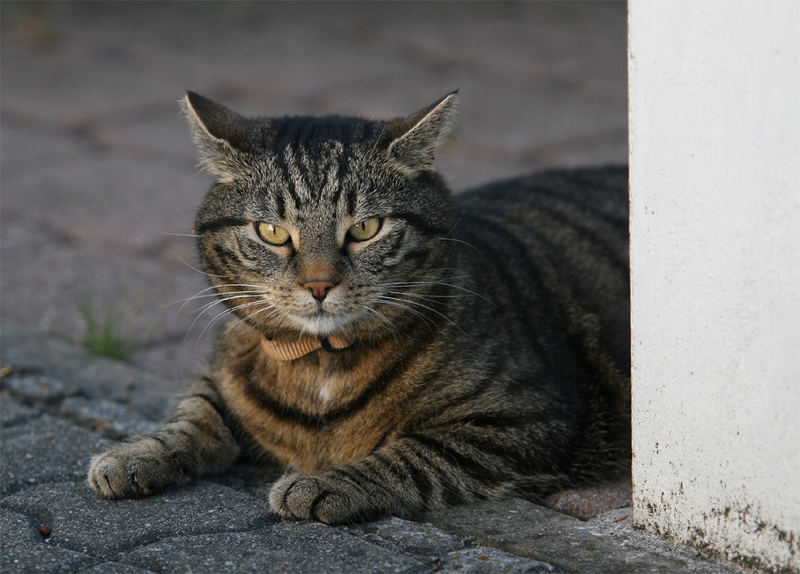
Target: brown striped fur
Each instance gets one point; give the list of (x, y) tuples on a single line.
[(489, 332)]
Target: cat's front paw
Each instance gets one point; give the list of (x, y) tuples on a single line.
[(312, 497), (133, 469)]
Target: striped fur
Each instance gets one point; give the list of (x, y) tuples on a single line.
[(490, 337)]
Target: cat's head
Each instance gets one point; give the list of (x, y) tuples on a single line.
[(323, 225)]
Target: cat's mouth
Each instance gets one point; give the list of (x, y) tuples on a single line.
[(322, 323)]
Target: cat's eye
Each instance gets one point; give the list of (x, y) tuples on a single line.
[(272, 234), (366, 229)]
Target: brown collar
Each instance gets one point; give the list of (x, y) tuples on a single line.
[(290, 349)]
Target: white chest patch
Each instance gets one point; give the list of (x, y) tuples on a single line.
[(327, 387)]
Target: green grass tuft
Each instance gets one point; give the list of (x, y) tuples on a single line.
[(105, 334)]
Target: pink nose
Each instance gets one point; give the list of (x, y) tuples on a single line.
[(319, 288)]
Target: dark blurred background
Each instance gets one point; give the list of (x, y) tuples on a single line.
[(98, 169)]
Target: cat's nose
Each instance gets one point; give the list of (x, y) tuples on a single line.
[(319, 287)]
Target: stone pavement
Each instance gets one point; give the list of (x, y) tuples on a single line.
[(98, 180)]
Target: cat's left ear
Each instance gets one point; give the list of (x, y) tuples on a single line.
[(411, 142), (222, 136)]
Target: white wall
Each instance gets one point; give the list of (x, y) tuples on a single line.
[(715, 256)]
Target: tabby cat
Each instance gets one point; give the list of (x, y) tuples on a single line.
[(396, 349)]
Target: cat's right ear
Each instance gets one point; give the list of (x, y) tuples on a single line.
[(411, 142), (222, 136)]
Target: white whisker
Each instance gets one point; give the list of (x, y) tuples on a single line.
[(179, 234), (193, 268), (209, 305), (384, 318), (201, 295), (430, 323), (229, 311), (460, 217), (256, 312), (205, 308), (434, 283), (386, 298), (454, 240), (186, 300), (431, 298), (212, 287)]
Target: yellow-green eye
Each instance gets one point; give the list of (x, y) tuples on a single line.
[(272, 234), (366, 229)]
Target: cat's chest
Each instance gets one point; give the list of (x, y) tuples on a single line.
[(312, 417), (320, 390), (316, 388)]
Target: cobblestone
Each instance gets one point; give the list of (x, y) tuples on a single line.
[(286, 547), (12, 412), (43, 450), (25, 550)]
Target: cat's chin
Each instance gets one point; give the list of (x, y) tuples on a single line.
[(323, 324)]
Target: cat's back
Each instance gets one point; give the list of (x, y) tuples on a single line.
[(550, 250), (591, 201)]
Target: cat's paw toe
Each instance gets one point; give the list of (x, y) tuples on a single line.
[(110, 477), (308, 497), (293, 495), (129, 471)]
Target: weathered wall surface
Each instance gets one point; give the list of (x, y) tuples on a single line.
[(715, 232)]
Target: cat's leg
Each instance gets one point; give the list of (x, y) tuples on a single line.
[(419, 472), (195, 440)]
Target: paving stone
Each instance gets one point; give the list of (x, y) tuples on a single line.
[(419, 539), (102, 62), (12, 412), (94, 376), (107, 529), (106, 417), (24, 549), (112, 199), (471, 166), (45, 450), (36, 388), (252, 477), (178, 360), (143, 291), (616, 527), (567, 543), (442, 550), (491, 561), (114, 568), (471, 37), (152, 132), (282, 547), (27, 145), (601, 148)]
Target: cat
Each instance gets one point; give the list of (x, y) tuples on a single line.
[(397, 349)]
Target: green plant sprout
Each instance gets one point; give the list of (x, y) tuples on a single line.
[(105, 334)]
